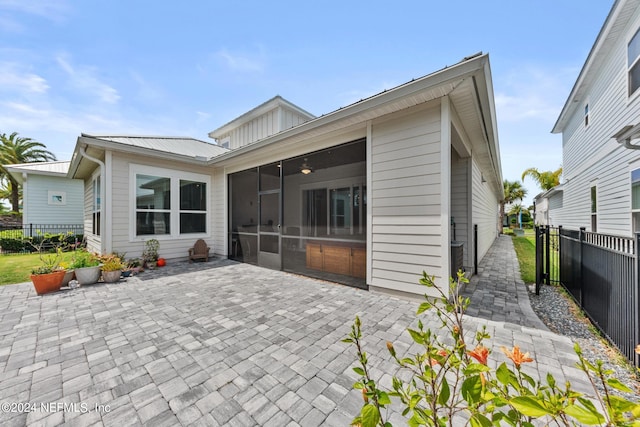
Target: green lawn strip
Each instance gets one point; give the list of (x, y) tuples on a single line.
[(526, 251), (16, 268)]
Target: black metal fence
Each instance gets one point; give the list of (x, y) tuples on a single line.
[(14, 239), (601, 273)]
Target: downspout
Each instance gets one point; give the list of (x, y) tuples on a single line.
[(84, 154)]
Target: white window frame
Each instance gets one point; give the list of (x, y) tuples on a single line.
[(634, 212), (175, 176), (593, 214), (631, 65), (96, 204)]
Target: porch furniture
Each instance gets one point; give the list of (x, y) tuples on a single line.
[(199, 251)]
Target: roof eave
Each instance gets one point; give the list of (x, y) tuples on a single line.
[(467, 68)]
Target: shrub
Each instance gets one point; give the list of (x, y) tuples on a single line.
[(451, 383)]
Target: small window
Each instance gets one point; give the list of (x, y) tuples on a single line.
[(193, 206), (633, 62), (594, 210), (586, 115), (95, 213), (635, 199)]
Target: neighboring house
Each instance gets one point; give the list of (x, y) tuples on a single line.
[(48, 196), (601, 163), (366, 195), (548, 205)]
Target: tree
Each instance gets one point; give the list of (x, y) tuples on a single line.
[(545, 180), (15, 150), (513, 190)]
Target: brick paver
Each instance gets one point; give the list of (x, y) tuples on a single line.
[(222, 343)]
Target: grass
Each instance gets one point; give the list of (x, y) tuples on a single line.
[(16, 268), (526, 251)]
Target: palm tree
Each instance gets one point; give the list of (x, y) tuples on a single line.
[(15, 150), (545, 180), (513, 190)]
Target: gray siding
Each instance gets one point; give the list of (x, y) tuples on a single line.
[(485, 211), (40, 211), (405, 199)]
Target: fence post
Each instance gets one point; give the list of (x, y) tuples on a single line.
[(547, 254), (559, 254), (636, 299), (582, 236), (538, 259), (475, 248)]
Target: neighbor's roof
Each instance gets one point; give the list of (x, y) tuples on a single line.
[(614, 27), (58, 168)]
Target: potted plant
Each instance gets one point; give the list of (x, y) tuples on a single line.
[(48, 276), (69, 274), (150, 253), (133, 266), (87, 267), (111, 269)]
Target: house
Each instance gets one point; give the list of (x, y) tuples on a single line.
[(48, 196), (547, 205), (598, 123), (369, 195)]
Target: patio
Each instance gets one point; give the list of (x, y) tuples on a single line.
[(217, 343)]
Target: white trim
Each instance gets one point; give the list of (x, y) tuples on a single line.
[(175, 176), (25, 194), (369, 166), (107, 182), (445, 190)]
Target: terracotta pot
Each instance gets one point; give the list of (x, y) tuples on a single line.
[(45, 283), (111, 276)]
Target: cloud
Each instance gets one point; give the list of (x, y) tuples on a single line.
[(15, 78), (53, 10), (85, 79), (242, 62), (532, 93)]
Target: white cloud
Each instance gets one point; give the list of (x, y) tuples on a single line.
[(85, 79), (14, 78), (243, 62), (53, 10)]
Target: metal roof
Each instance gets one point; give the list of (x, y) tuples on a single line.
[(181, 145), (58, 168)]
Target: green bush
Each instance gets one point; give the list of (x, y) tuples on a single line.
[(451, 382)]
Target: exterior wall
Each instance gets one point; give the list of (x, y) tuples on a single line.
[(592, 157), (555, 204), (40, 210), (267, 124), (122, 203), (542, 211), (94, 242), (486, 210), (460, 204), (405, 199)]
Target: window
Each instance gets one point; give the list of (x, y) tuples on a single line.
[(169, 203), (95, 213), (586, 115), (633, 62), (594, 210), (635, 199)]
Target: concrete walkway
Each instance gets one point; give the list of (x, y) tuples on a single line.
[(223, 343)]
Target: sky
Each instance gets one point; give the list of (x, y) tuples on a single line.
[(185, 68)]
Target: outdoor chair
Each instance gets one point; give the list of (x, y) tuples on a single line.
[(199, 251)]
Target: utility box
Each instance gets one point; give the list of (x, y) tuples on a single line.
[(457, 258)]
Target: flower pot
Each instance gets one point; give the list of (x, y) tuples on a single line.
[(45, 283), (88, 275), (68, 275), (111, 276)]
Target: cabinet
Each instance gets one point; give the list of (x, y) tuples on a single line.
[(349, 259)]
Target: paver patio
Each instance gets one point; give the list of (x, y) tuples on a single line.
[(219, 343)]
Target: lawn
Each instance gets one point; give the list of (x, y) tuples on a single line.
[(16, 268), (526, 251)]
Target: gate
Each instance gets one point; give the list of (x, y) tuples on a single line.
[(547, 256)]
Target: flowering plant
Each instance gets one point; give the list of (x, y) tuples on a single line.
[(451, 383)]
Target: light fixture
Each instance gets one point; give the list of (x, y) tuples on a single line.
[(305, 168)]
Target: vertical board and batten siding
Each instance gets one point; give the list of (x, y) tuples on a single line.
[(265, 125), (405, 199), (592, 157), (460, 204), (39, 211), (486, 210), (219, 217), (170, 248)]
